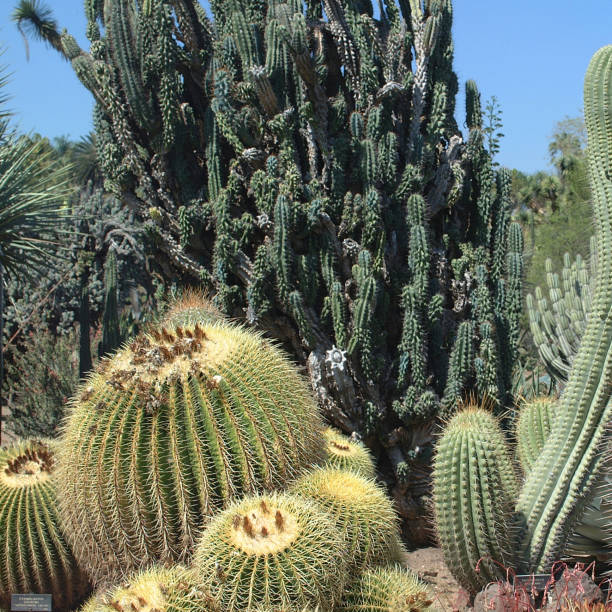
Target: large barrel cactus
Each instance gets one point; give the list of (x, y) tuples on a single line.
[(302, 161), (35, 556), (168, 431), (571, 467)]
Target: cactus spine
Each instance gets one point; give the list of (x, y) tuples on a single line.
[(169, 431), (36, 557), (272, 550), (334, 203)]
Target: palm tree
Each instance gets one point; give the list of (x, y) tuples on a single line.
[(33, 190)]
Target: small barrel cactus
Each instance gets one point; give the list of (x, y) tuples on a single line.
[(346, 453), (156, 589), (361, 509), (387, 589), (35, 557), (190, 308), (275, 550), (169, 431)]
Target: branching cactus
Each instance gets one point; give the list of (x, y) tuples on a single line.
[(169, 431), (302, 161), (557, 497), (557, 324), (36, 556)]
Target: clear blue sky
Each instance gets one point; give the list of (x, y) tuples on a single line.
[(531, 55)]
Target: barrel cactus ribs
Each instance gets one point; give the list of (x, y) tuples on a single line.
[(172, 428)]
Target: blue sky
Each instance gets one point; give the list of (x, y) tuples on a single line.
[(531, 55)]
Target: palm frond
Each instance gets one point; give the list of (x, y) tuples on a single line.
[(36, 19)]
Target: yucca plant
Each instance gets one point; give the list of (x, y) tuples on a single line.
[(32, 192)]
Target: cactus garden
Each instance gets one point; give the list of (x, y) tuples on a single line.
[(268, 330)]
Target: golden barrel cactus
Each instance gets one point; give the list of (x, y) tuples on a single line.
[(170, 430)]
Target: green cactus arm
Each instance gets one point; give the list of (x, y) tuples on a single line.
[(560, 480), (532, 429)]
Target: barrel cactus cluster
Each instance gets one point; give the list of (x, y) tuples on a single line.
[(563, 505), (194, 473), (35, 553)]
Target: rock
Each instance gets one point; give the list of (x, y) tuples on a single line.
[(501, 597), (574, 586)]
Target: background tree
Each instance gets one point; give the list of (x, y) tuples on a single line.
[(43, 309)]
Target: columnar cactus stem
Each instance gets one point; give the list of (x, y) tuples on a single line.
[(572, 458)]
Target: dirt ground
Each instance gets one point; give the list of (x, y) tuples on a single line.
[(429, 564)]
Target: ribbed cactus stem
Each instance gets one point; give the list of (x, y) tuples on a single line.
[(571, 458), (533, 428), (475, 489)]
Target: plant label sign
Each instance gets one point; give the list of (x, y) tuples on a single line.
[(529, 582), (31, 602)]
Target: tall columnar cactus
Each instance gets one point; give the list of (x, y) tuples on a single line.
[(572, 462), (111, 335), (302, 161), (557, 324), (559, 484), (36, 556), (169, 431)]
